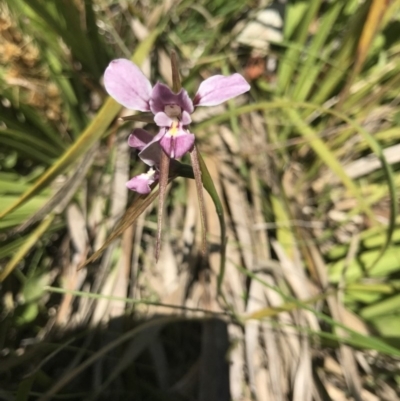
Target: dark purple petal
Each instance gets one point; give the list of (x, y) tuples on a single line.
[(141, 183), (150, 154), (162, 96), (125, 82), (175, 146), (218, 89), (139, 138)]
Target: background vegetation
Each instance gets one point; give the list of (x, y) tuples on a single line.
[(305, 165)]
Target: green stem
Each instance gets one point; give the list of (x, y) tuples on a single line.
[(210, 188)]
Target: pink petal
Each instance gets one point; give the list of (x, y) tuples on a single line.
[(186, 120), (175, 146), (162, 120), (139, 138), (125, 82), (141, 183), (162, 96), (218, 89)]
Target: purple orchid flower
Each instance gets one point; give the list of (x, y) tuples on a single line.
[(126, 83)]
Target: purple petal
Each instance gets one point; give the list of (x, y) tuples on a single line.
[(141, 183), (125, 82), (162, 96), (175, 146), (139, 138), (218, 89)]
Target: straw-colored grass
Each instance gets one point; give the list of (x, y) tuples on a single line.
[(296, 297)]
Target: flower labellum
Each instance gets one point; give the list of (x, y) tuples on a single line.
[(141, 183)]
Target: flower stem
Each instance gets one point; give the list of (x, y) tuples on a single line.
[(176, 80), (163, 182), (195, 156)]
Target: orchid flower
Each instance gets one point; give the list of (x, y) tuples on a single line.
[(171, 111), (126, 83)]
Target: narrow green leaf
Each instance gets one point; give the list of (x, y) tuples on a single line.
[(387, 306), (311, 68), (210, 188), (26, 247), (43, 148), (292, 56), (344, 57)]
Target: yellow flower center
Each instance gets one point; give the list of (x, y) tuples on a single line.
[(173, 130)]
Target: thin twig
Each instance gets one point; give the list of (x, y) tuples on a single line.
[(164, 171)]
